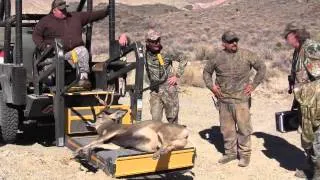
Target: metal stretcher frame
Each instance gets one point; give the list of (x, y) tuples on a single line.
[(128, 162)]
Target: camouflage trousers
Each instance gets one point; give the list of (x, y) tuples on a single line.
[(313, 149), (236, 128), (308, 96), (83, 62), (166, 99), (83, 58), (82, 55)]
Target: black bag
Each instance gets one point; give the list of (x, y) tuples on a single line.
[(287, 121)]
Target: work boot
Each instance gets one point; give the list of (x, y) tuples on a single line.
[(304, 173), (244, 161), (84, 83), (227, 158)]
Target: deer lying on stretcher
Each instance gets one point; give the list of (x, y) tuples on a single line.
[(148, 136)]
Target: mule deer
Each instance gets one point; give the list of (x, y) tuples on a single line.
[(148, 136)]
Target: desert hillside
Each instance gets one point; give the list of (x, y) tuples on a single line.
[(196, 31)]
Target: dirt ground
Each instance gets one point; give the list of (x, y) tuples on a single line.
[(274, 155)]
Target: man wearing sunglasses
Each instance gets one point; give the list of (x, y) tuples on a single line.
[(163, 79), (233, 89), (67, 26)]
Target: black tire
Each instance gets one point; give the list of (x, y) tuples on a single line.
[(9, 121)]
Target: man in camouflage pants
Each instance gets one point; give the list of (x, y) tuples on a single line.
[(163, 79), (306, 73), (233, 88)]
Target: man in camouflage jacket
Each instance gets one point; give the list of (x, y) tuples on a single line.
[(233, 88), (306, 73), (163, 79)]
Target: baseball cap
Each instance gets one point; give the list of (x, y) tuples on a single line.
[(60, 4), (229, 36), (152, 35), (291, 27)]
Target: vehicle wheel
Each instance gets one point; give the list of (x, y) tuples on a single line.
[(9, 121)]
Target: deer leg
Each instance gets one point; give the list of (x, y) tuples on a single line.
[(162, 144), (165, 149), (175, 144), (169, 144)]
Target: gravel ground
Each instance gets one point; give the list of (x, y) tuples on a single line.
[(274, 155)]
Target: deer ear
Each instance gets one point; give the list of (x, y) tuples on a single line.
[(117, 115), (112, 116)]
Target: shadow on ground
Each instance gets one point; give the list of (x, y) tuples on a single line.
[(31, 134), (168, 176), (214, 137), (289, 156)]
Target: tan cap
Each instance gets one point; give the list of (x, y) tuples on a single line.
[(60, 4), (152, 35), (291, 27), (229, 36)]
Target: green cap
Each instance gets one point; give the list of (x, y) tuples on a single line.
[(60, 4), (229, 36)]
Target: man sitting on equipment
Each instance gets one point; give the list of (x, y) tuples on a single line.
[(61, 24)]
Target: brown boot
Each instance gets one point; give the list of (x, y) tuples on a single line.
[(244, 161), (307, 171), (304, 173), (227, 158), (84, 83)]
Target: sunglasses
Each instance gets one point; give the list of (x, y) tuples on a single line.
[(232, 41), (154, 41)]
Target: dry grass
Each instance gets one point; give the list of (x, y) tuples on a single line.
[(204, 52), (193, 74)]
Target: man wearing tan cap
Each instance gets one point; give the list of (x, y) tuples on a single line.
[(59, 23), (163, 79), (233, 89), (305, 73)]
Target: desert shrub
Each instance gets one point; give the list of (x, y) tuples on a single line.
[(193, 74), (200, 53), (271, 73), (317, 37), (278, 46), (282, 64), (267, 54), (204, 52), (254, 42)]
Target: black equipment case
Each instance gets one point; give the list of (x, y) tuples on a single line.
[(287, 121)]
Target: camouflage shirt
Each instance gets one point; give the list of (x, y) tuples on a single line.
[(156, 73), (306, 68), (233, 73), (306, 62)]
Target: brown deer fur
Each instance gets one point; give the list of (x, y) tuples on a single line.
[(148, 136)]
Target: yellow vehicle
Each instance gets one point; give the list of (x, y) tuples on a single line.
[(24, 95)]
